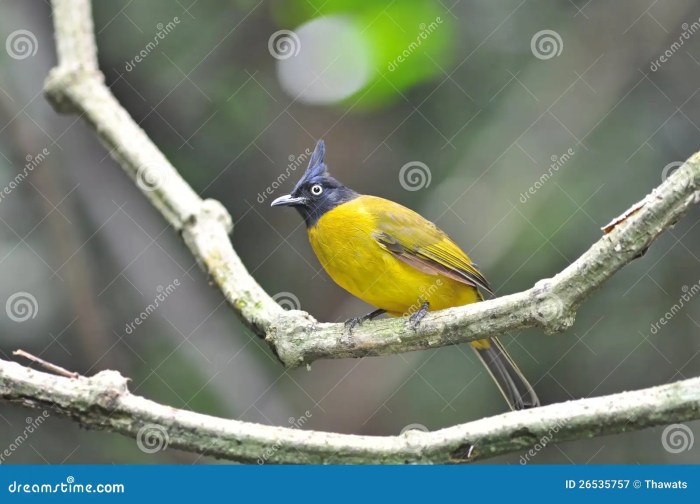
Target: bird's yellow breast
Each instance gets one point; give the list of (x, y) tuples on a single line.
[(345, 244)]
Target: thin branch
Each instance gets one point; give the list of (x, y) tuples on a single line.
[(54, 368), (77, 86), (104, 402)]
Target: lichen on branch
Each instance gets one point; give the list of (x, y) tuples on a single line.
[(103, 401)]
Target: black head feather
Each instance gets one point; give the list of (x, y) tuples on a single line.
[(316, 192)]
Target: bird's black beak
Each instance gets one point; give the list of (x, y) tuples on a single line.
[(289, 200)]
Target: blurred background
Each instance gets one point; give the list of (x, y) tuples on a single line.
[(519, 127)]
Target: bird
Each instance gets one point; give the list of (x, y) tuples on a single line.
[(397, 261)]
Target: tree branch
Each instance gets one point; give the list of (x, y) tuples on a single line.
[(104, 402), (551, 304), (76, 85)]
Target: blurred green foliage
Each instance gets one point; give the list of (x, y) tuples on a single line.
[(419, 31)]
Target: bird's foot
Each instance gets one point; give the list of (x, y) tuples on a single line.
[(355, 321), (352, 322), (415, 319)]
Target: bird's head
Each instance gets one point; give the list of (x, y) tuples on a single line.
[(317, 192)]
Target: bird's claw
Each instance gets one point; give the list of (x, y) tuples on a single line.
[(352, 322), (355, 321), (415, 319)]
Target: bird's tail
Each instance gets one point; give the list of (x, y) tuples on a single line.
[(510, 380)]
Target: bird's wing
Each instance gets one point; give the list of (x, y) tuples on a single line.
[(422, 245)]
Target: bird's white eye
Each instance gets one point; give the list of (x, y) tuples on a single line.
[(316, 189)]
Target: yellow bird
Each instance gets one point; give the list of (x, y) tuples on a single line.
[(395, 260)]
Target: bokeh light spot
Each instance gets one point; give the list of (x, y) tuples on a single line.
[(334, 61)]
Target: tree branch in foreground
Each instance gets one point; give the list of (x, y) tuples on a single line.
[(104, 402)]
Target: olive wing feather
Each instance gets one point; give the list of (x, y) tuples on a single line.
[(422, 245)]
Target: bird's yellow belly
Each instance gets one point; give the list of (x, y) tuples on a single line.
[(356, 262)]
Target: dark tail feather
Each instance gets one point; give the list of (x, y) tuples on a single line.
[(514, 386)]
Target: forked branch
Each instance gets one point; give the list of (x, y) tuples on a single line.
[(103, 401), (76, 85)]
